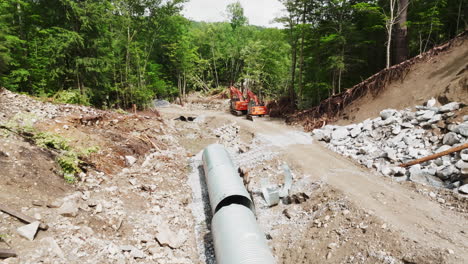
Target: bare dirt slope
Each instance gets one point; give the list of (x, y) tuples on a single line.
[(353, 215), (444, 77), (127, 205)]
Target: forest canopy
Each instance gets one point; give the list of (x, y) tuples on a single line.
[(115, 53)]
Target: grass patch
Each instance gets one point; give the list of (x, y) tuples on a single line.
[(68, 158)]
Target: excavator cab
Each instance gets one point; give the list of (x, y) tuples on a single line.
[(238, 105), (255, 107)]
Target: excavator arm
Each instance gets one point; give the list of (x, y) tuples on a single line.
[(252, 96), (236, 94), (238, 104)]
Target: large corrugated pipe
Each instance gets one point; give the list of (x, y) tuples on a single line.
[(236, 235), (225, 186)]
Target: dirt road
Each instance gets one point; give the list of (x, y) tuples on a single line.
[(436, 228)]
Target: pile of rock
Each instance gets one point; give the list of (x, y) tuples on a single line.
[(397, 137), (228, 135)]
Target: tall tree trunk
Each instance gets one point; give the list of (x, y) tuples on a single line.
[(301, 55), (458, 16), (389, 24), (185, 85), (292, 93), (401, 33), (214, 65)]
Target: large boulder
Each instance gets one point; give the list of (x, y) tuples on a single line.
[(419, 176), (450, 139), (463, 129), (340, 133), (385, 114), (449, 107)]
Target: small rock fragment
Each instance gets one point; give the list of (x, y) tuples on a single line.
[(68, 209), (130, 160), (29, 231), (463, 189)]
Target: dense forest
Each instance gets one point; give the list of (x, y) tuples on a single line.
[(115, 53)]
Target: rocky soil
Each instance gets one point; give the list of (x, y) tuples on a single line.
[(397, 137), (128, 204), (141, 198)]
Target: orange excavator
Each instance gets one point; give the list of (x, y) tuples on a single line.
[(255, 107), (238, 104), (250, 106)]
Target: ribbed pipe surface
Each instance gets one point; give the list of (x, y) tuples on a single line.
[(222, 179), (237, 237)]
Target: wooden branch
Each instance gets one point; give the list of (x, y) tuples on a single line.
[(25, 218), (7, 253), (435, 156)]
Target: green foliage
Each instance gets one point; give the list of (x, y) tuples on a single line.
[(116, 53), (88, 151), (51, 140), (71, 97), (69, 163)]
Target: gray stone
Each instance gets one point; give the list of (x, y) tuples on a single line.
[(443, 148), (51, 245), (431, 103), (461, 164), (399, 171), (396, 130), (386, 171), (439, 162), (322, 134), (271, 195), (429, 171), (137, 254), (130, 160), (450, 139), (388, 121), (464, 154), (464, 171), (419, 176), (463, 129), (400, 178), (55, 204), (449, 107), (391, 154), (446, 172), (435, 118), (428, 114), (167, 237), (407, 125), (385, 114), (355, 131), (453, 128), (367, 125), (412, 152), (463, 189), (340, 133), (69, 209), (465, 118), (28, 231)]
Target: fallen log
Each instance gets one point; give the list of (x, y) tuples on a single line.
[(435, 156), (25, 218), (7, 253)]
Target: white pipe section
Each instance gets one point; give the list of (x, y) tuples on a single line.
[(222, 179), (236, 235)]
